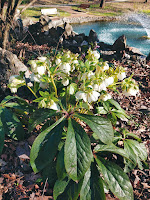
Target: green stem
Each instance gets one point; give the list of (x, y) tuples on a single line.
[(32, 91), (54, 86)]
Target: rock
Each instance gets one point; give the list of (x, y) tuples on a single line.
[(120, 43), (148, 57), (53, 32), (93, 36), (68, 31), (27, 22), (79, 38), (84, 43), (56, 32), (34, 30), (9, 65), (44, 20), (104, 46), (133, 50)]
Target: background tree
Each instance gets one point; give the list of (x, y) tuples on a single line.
[(102, 3), (8, 10)]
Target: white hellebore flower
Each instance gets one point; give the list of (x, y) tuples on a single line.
[(87, 97), (121, 76), (106, 66), (75, 62), (52, 105), (13, 90), (33, 66), (42, 58), (100, 87), (87, 75), (96, 54), (58, 61), (65, 82), (109, 81), (81, 95), (106, 97), (35, 77), (41, 70), (131, 92), (93, 96), (14, 81), (66, 68)]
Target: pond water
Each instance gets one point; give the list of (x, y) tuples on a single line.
[(108, 32)]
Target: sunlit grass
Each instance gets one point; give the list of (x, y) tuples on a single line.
[(146, 11), (35, 13)]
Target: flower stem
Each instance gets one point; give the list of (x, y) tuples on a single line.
[(54, 86), (32, 91)]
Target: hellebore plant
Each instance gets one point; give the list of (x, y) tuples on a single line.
[(74, 151)]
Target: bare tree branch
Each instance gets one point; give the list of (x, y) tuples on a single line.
[(28, 5)]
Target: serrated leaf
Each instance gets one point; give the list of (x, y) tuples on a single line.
[(92, 187), (45, 146), (12, 125), (100, 126), (2, 133), (111, 148), (78, 154), (60, 166), (60, 187), (137, 152), (40, 116), (116, 178)]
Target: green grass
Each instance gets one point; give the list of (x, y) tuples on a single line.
[(146, 12), (35, 13)]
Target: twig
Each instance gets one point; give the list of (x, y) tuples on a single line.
[(44, 188)]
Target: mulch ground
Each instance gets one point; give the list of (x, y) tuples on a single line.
[(17, 180)]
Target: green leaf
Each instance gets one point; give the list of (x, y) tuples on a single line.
[(128, 164), (111, 148), (6, 99), (133, 136), (92, 187), (115, 103), (78, 153), (49, 173), (12, 125), (100, 110), (100, 126), (60, 166), (40, 116), (137, 151), (116, 178), (2, 132), (60, 187), (72, 191), (45, 146)]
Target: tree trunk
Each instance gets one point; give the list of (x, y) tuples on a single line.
[(7, 12), (146, 1), (2, 9), (102, 3), (6, 36)]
